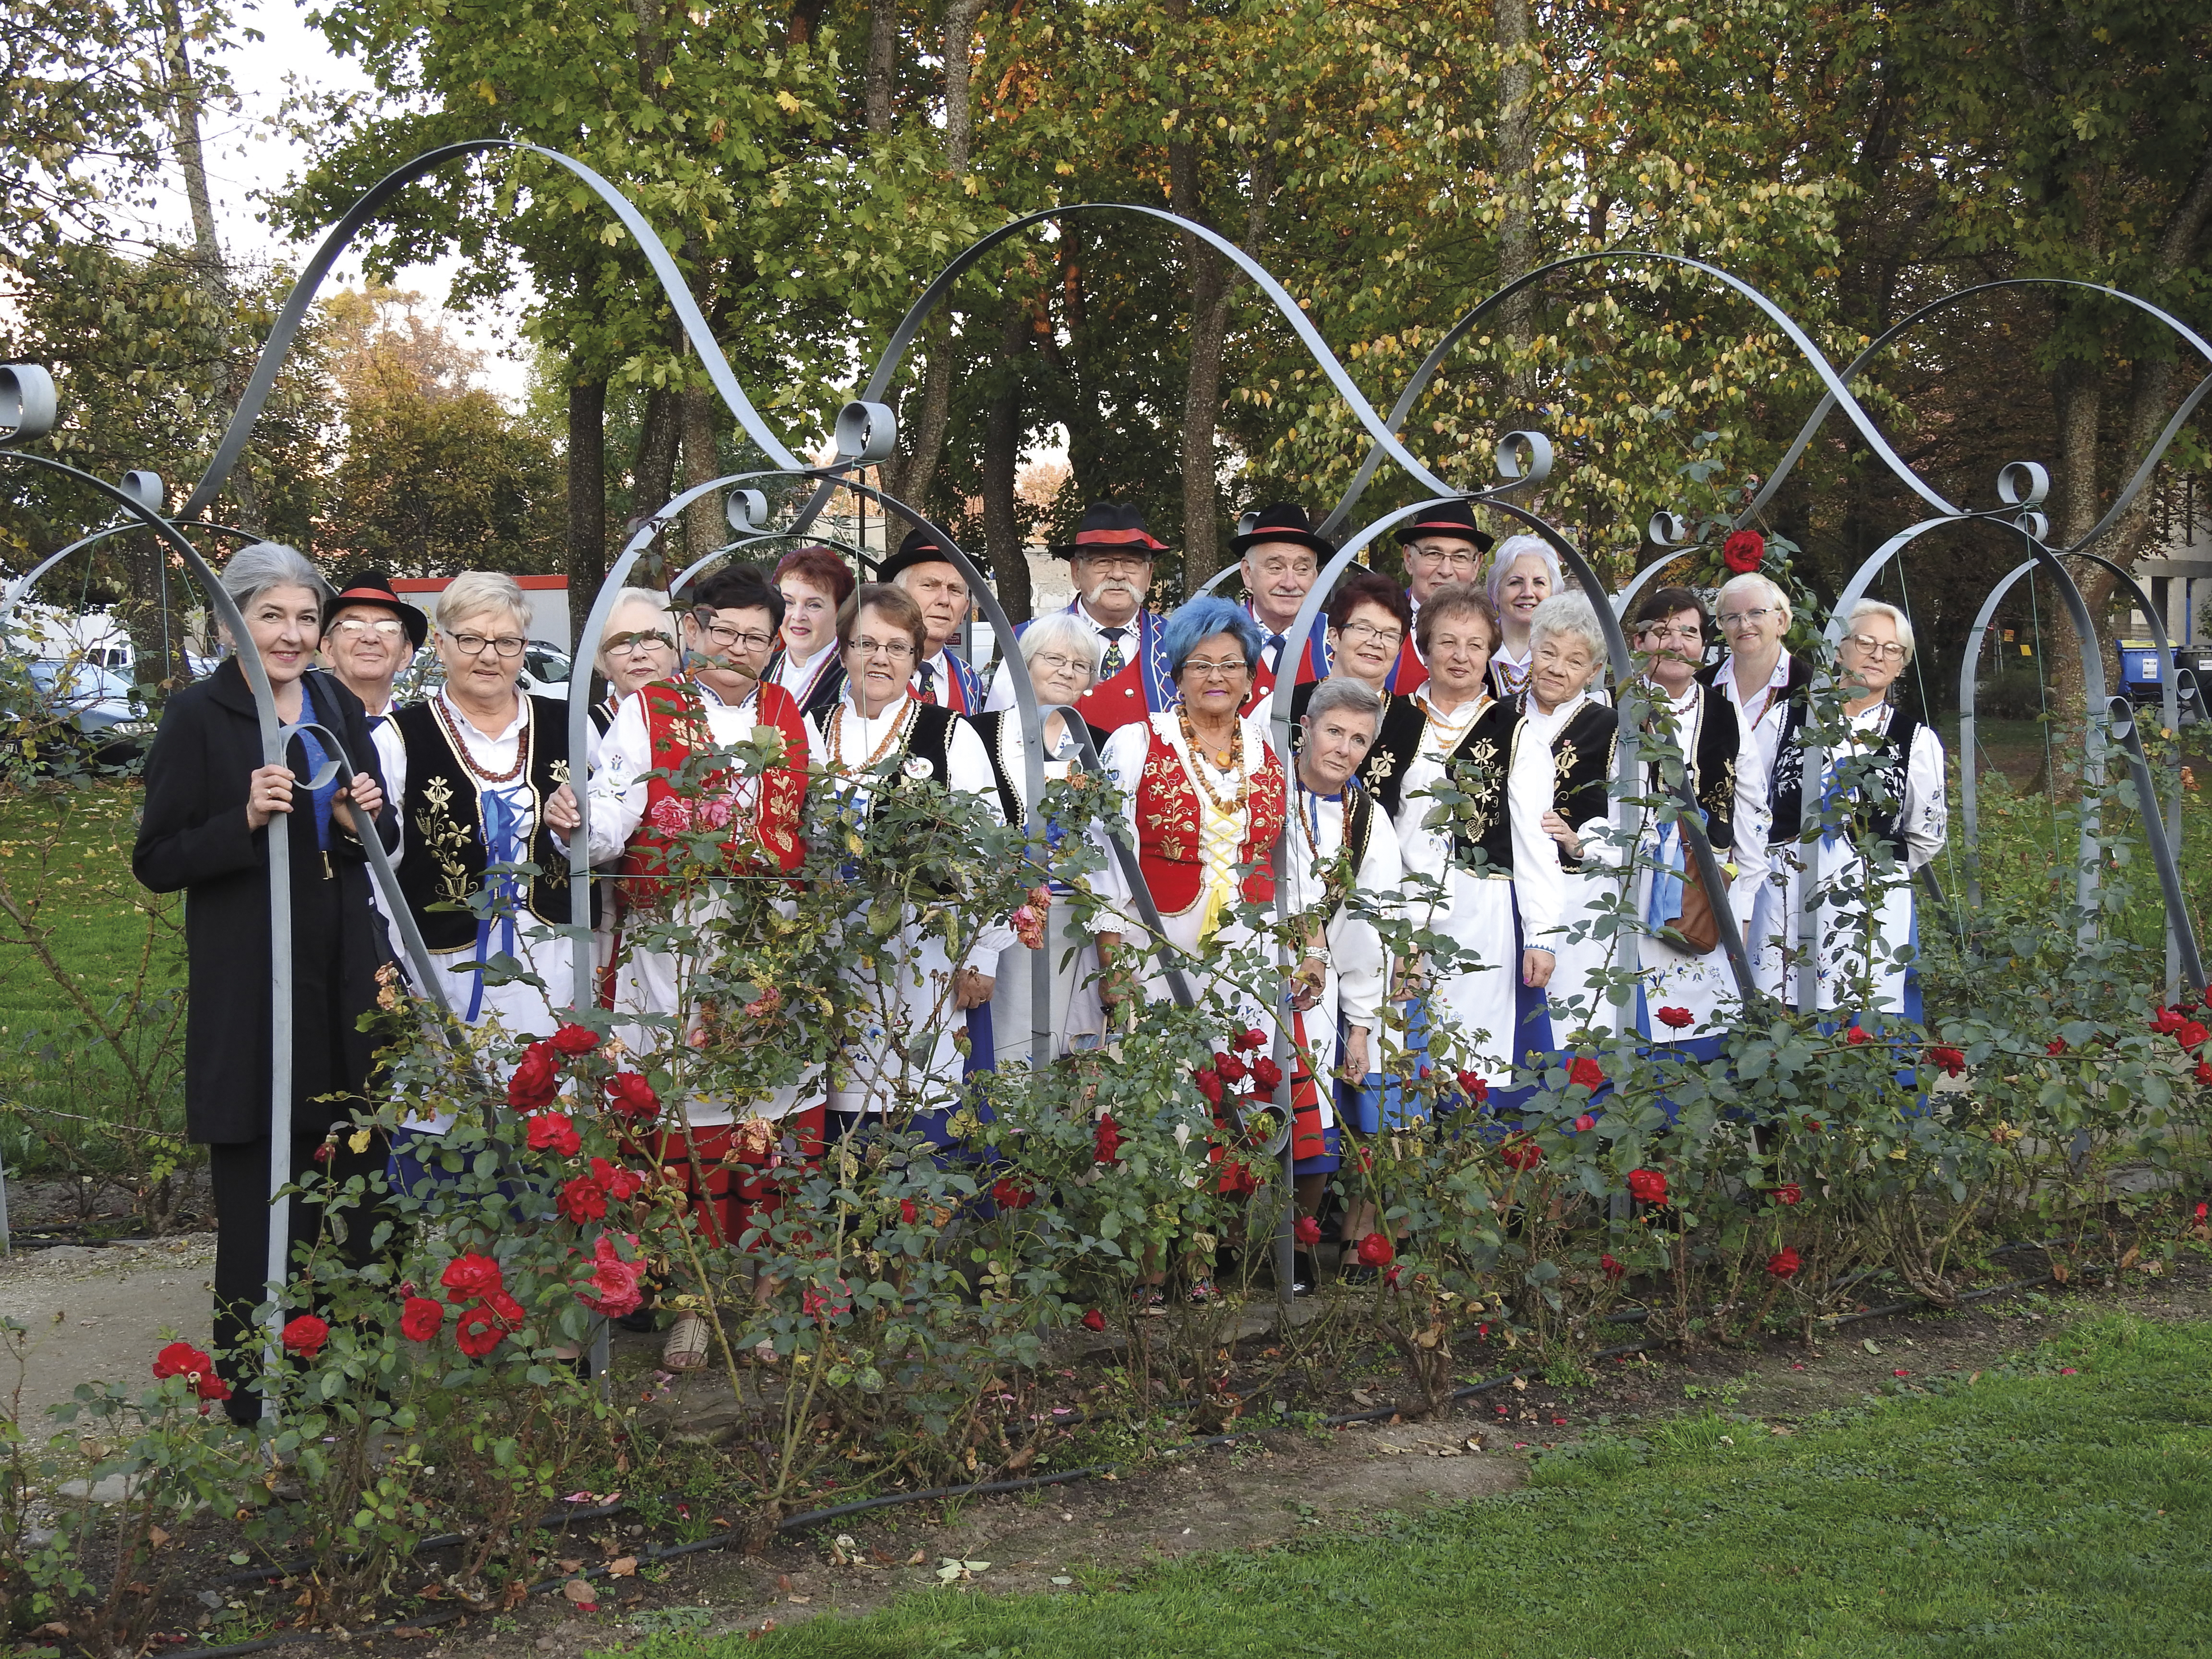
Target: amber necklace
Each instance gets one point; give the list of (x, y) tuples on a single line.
[(899, 727), (468, 757), (1227, 808)]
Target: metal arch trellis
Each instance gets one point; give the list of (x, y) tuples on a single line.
[(865, 429)]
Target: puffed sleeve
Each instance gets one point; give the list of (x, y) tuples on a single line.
[(618, 787), (1362, 961), (968, 769), (1924, 814), (1123, 758)]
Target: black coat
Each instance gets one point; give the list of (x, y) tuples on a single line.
[(194, 837)]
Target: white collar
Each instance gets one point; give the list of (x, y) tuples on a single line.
[(1083, 612), (470, 730)]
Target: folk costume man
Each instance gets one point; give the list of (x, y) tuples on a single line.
[(1441, 544), (1111, 563), (652, 788), (369, 635), (925, 573), (1339, 844), (1281, 555)]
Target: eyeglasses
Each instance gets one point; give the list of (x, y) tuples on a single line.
[(353, 628), (1887, 650), (896, 650), (1352, 633), (1053, 663), (1108, 563), (730, 639), (1452, 558), (1733, 620), (508, 646), (637, 645), (1227, 668), (1691, 636)]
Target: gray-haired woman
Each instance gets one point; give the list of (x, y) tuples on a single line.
[(210, 806), (1063, 653)]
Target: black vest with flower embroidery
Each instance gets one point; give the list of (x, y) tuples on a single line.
[(1887, 752), (1478, 766)]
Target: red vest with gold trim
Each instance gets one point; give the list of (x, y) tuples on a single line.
[(676, 718), (1167, 834)]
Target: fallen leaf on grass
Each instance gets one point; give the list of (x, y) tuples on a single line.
[(916, 1558), (583, 1594)]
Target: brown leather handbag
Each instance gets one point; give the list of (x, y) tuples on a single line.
[(1698, 927)]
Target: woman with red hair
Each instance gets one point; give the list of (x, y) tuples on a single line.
[(814, 583)]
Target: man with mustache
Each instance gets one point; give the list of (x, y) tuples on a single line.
[(1281, 555), (925, 572), (1111, 563)]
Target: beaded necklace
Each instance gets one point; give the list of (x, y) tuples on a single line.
[(468, 757), (899, 727), (1198, 767)]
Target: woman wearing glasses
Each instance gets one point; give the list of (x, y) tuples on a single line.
[(1893, 797), (638, 648), (904, 1065), (1765, 684), (1204, 797), (487, 787), (1369, 619), (1063, 653)]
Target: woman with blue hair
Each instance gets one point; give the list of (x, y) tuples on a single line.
[(1203, 792)]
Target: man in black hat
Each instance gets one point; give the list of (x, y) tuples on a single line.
[(925, 572), (1111, 563), (363, 629), (1441, 544), (1280, 556)]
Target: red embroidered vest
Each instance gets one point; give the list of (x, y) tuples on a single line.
[(1410, 673), (676, 718), (1168, 832)]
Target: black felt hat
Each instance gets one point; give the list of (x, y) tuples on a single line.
[(1285, 522), (1453, 519), (375, 588), (920, 547), (1110, 527)]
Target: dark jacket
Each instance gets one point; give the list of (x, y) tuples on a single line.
[(193, 838)]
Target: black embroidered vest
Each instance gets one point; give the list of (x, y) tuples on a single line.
[(1478, 767), (444, 859), (1583, 754), (1886, 754)]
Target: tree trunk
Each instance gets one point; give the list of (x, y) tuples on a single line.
[(587, 498), (1516, 187), (882, 64), (1002, 454), (653, 471), (705, 528)]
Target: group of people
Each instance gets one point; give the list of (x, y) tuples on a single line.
[(1457, 728)]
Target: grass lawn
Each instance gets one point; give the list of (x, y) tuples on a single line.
[(2060, 1506), (65, 866)]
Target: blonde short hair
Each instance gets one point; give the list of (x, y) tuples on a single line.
[(1752, 582), (474, 592), (1898, 620), (1067, 634)]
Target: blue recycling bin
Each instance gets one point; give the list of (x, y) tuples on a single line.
[(2142, 670)]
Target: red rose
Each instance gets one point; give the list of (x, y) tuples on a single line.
[(1235, 1179), (2055, 1047), (552, 1131), (478, 1332), (1209, 1083), (1812, 1125), (470, 1276), (2204, 1072), (573, 1039), (2167, 1021), (180, 1359), (1094, 1320), (1010, 1193), (1521, 1154), (1743, 551), (1265, 1072), (1252, 1042), (209, 1386), (1390, 1277), (1784, 1263), (1306, 1229), (1586, 1072), (633, 1096), (583, 1199), (1790, 1193), (622, 1184), (419, 1319), (536, 1081), (1950, 1060), (1648, 1185), (305, 1335), (1584, 1124), (1230, 1068), (2192, 1035), (1612, 1269), (323, 1152), (1676, 1019), (909, 1212), (1376, 1251), (1475, 1086), (1855, 1036)]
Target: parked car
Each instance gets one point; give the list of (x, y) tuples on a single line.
[(57, 712)]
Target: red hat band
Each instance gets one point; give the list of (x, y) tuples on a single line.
[(1117, 539)]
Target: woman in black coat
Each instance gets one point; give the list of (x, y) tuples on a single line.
[(210, 803)]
